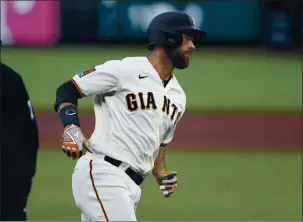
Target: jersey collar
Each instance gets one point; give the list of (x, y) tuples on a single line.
[(157, 76)]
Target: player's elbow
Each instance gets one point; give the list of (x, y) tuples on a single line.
[(67, 93)]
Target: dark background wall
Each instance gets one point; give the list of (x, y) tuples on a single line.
[(277, 23)]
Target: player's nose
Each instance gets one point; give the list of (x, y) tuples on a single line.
[(191, 45)]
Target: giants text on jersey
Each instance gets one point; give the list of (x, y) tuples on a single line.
[(134, 112)]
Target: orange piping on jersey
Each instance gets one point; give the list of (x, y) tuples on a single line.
[(78, 88), (94, 187)]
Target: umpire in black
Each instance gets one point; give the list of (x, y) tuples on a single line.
[(19, 145)]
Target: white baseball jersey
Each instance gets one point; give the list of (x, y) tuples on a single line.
[(134, 112)]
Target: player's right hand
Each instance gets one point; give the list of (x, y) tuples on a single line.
[(73, 141)]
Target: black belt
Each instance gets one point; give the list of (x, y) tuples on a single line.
[(136, 177)]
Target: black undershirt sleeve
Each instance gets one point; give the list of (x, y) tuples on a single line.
[(68, 93)]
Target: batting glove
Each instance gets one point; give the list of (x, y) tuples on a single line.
[(167, 182), (73, 141)]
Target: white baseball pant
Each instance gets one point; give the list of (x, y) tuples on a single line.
[(104, 192)]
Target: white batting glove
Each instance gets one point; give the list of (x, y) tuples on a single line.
[(73, 141)]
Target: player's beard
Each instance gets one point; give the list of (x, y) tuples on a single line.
[(178, 60)]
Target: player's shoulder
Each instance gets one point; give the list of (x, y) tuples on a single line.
[(178, 86), (135, 62), (138, 60), (135, 65), (114, 64), (134, 59), (126, 64), (178, 90)]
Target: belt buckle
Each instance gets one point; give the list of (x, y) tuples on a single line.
[(124, 166)]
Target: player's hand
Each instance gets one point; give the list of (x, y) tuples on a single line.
[(73, 141), (167, 182)]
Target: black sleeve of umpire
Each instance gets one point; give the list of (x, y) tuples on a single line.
[(67, 92)]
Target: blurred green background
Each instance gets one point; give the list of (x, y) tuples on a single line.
[(213, 186), (217, 79)]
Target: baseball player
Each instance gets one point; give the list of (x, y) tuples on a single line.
[(137, 103)]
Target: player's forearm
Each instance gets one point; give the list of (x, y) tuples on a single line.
[(158, 168), (159, 165), (67, 96), (62, 105)]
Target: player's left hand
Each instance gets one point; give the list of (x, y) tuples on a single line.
[(167, 182), (73, 142)]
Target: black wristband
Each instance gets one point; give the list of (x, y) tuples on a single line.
[(68, 115)]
